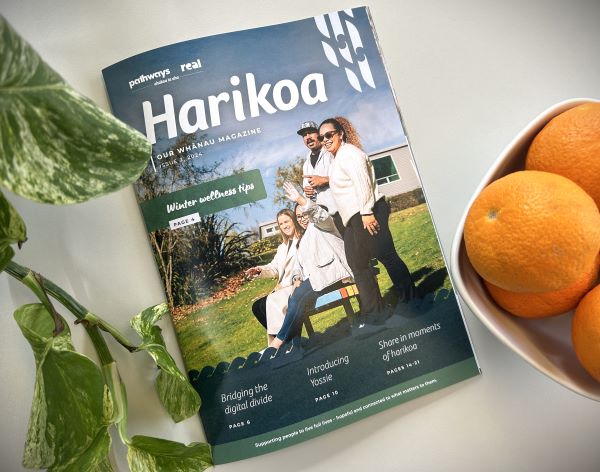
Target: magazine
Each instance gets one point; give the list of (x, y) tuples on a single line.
[(290, 229)]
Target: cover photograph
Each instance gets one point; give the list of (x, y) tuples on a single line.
[(290, 229)]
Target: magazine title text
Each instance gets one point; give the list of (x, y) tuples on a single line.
[(203, 113)]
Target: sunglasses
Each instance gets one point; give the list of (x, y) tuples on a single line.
[(327, 136)]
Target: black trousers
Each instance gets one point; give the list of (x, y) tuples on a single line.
[(361, 247), (259, 310), (337, 220)]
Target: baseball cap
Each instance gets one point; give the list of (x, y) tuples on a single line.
[(306, 125)]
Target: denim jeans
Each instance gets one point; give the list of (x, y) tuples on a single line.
[(302, 299)]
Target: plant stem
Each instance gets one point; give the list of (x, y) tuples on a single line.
[(19, 272), (36, 284), (92, 325), (94, 320), (104, 355), (91, 322)]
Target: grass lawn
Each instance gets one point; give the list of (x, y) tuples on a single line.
[(227, 329)]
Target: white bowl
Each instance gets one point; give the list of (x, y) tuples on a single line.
[(544, 343)]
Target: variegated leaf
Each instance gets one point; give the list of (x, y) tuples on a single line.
[(68, 422), (177, 395), (12, 230), (147, 454), (57, 146)]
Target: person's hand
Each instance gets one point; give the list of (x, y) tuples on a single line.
[(297, 283), (253, 272), (309, 191), (316, 180), (370, 224), (292, 193)]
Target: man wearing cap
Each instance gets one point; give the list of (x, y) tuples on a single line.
[(315, 171)]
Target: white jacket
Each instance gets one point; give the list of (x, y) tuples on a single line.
[(280, 267), (321, 256), (321, 168), (282, 264), (352, 182)]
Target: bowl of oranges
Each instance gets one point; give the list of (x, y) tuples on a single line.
[(525, 257)]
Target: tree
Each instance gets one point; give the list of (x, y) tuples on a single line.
[(152, 184), (223, 250), (291, 173), (195, 259), (205, 255)]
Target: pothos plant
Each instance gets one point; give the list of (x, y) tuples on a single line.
[(58, 147)]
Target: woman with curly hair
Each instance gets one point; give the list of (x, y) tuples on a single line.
[(352, 136), (364, 214)]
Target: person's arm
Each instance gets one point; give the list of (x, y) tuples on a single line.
[(297, 276), (357, 166), (272, 268), (292, 193), (318, 216), (309, 191)]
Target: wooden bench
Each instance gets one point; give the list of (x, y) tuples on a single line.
[(340, 296)]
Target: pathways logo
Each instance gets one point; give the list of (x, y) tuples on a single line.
[(160, 74)]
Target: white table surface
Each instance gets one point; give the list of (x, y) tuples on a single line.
[(468, 75)]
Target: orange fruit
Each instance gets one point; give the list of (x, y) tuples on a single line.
[(569, 145), (532, 231), (544, 304), (585, 332)]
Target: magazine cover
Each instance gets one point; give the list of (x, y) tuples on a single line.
[(288, 223)]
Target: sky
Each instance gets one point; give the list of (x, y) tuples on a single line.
[(286, 52)]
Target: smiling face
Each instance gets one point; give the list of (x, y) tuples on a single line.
[(331, 138), (311, 139), (301, 217), (286, 225)]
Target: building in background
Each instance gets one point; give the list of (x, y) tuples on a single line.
[(269, 228), (395, 171)]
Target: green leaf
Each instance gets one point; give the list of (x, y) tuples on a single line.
[(144, 323), (103, 466), (12, 231), (93, 459), (152, 454), (6, 255), (68, 422), (57, 146), (177, 395), (147, 454), (116, 389)]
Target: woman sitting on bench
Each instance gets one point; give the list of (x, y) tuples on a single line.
[(320, 263), (270, 310)]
